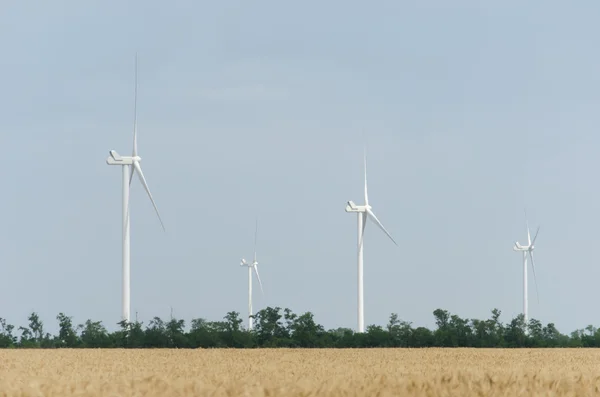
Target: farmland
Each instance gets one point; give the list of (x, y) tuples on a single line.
[(299, 372)]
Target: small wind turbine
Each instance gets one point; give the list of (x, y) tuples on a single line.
[(363, 211), (126, 162), (527, 249), (252, 266)]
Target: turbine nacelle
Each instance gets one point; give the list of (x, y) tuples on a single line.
[(351, 207), (519, 247), (116, 159), (244, 263)]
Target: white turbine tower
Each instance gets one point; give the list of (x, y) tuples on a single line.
[(363, 211), (527, 249), (252, 267), (125, 162)]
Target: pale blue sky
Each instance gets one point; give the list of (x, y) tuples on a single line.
[(471, 111)]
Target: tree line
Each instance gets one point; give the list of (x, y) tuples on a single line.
[(274, 327)]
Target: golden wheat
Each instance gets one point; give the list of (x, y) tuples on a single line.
[(300, 372)]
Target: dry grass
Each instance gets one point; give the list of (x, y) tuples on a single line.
[(376, 372)]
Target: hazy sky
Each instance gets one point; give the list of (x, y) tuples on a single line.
[(471, 111)]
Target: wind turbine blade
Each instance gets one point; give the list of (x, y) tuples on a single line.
[(366, 194), (534, 237), (255, 267), (527, 225), (534, 279), (255, 234), (136, 164), (128, 221), (134, 153), (374, 219), (364, 224), (135, 110)]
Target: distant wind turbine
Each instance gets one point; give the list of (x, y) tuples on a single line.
[(126, 162), (252, 267), (363, 211), (527, 249)]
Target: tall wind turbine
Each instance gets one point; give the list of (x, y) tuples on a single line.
[(125, 162), (252, 266), (363, 212), (527, 249)]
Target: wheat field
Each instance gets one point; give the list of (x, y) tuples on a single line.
[(300, 372)]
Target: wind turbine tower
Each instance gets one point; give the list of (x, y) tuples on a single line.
[(130, 165), (252, 267), (363, 212)]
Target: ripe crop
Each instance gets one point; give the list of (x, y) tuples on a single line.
[(300, 372)]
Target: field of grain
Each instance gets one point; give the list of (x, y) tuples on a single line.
[(297, 372)]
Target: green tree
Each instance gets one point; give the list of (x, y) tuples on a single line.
[(375, 336), (94, 335), (269, 329), (67, 337), (481, 333), (305, 332), (422, 337), (176, 334), (442, 335), (37, 329), (515, 332), (277, 328), (7, 339), (399, 331), (495, 330), (131, 335), (551, 336), (342, 338), (203, 334), (156, 334), (536, 333), (233, 334), (460, 331)]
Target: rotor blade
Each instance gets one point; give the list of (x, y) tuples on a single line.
[(131, 175), (255, 267), (135, 111), (527, 225), (534, 279), (127, 220), (136, 164), (374, 219), (534, 237), (366, 194), (134, 152), (255, 234), (364, 224)]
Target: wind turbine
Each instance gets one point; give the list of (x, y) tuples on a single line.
[(252, 266), (527, 249), (125, 162), (363, 212)]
